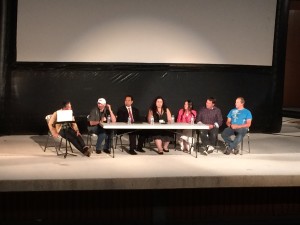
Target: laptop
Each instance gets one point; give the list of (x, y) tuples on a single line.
[(64, 115)]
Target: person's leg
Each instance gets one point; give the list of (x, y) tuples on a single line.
[(108, 139), (166, 146), (132, 141), (101, 135), (141, 141), (158, 143), (213, 136), (77, 141), (226, 135), (240, 133), (204, 137)]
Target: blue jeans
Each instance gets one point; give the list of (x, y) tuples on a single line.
[(239, 135), (102, 135)]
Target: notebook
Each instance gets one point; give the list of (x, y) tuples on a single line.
[(64, 115)]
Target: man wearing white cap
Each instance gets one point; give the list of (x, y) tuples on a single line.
[(98, 115)]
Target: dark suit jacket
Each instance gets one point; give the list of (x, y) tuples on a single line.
[(122, 114)]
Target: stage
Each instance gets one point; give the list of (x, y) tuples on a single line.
[(273, 162)]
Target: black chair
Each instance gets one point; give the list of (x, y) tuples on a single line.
[(248, 140), (90, 135)]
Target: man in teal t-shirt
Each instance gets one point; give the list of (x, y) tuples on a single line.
[(238, 122)]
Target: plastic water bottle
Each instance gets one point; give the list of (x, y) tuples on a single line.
[(108, 119), (152, 120), (192, 120), (172, 119), (129, 120)]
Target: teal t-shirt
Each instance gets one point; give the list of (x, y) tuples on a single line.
[(239, 117)]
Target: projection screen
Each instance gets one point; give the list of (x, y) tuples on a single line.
[(146, 31)]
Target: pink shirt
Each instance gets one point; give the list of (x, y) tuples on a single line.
[(186, 118)]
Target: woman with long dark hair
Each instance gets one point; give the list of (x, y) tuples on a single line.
[(185, 115), (161, 114)]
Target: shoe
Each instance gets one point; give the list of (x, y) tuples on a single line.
[(132, 152), (210, 148), (166, 150), (87, 153), (227, 152), (98, 151), (160, 153), (106, 151), (181, 145), (205, 152), (140, 150), (236, 151)]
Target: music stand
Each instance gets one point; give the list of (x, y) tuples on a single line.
[(64, 130)]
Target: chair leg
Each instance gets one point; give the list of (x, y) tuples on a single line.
[(116, 141), (46, 144), (249, 143)]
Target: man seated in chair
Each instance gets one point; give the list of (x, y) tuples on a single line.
[(128, 112), (68, 131), (101, 114), (238, 122), (211, 116)]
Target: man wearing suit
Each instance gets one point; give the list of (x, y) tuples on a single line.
[(128, 111)]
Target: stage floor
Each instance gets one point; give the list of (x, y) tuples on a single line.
[(273, 162)]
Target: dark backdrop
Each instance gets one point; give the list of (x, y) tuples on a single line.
[(30, 91)]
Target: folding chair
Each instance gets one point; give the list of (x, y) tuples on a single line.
[(90, 135), (242, 143), (56, 146)]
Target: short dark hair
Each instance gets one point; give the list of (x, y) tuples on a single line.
[(212, 99), (65, 103), (129, 96)]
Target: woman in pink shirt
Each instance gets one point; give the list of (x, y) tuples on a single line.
[(186, 115)]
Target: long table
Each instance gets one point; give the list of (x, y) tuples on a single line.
[(155, 126)]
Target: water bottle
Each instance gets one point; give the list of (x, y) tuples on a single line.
[(152, 120), (172, 119), (108, 119), (192, 120), (129, 120)]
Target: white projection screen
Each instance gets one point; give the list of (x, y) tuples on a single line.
[(146, 31)]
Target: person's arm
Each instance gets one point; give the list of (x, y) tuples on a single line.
[(75, 127), (228, 122), (179, 117), (198, 118), (245, 125), (219, 118), (112, 115), (150, 114), (51, 125), (169, 116), (119, 116)]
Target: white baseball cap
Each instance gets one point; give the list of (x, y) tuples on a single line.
[(102, 101)]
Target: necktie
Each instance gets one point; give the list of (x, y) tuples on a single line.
[(130, 115)]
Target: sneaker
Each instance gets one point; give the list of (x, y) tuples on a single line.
[(205, 152), (210, 148), (227, 151), (235, 151), (87, 152)]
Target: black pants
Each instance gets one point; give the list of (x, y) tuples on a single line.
[(132, 138), (72, 137), (209, 137)]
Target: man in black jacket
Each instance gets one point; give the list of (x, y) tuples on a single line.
[(128, 112)]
